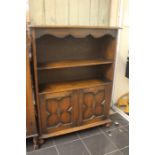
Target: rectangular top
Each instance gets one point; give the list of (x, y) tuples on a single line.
[(74, 26)]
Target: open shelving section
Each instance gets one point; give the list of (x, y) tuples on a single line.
[(63, 86)]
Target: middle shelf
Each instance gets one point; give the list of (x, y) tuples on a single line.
[(72, 63)]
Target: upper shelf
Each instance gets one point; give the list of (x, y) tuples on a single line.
[(76, 31), (72, 63)]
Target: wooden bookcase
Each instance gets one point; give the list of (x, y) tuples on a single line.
[(74, 69)]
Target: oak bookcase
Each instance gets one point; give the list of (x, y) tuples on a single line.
[(73, 71)]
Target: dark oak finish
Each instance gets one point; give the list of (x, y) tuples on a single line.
[(74, 85), (93, 104), (70, 48), (31, 126), (74, 69), (76, 31), (72, 63), (77, 128), (73, 74), (31, 123), (59, 111), (31, 130)]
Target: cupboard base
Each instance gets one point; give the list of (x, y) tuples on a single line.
[(106, 122)]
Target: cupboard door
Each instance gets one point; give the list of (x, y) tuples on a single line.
[(58, 111), (94, 104)]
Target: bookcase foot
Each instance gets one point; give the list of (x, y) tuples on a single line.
[(35, 143)]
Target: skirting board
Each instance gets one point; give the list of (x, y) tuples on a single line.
[(120, 112)]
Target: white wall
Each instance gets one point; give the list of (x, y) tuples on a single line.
[(70, 12), (121, 83)]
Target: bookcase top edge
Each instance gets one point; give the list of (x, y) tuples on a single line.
[(74, 27)]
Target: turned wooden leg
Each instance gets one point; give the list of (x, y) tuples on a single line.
[(35, 143), (41, 141), (108, 124)]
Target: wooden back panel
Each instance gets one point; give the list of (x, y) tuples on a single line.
[(50, 48), (71, 74)]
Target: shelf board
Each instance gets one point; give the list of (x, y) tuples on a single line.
[(73, 63), (64, 86)]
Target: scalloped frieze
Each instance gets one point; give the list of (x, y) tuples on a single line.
[(76, 32)]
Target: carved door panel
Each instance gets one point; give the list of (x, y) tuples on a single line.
[(59, 111), (94, 103)]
